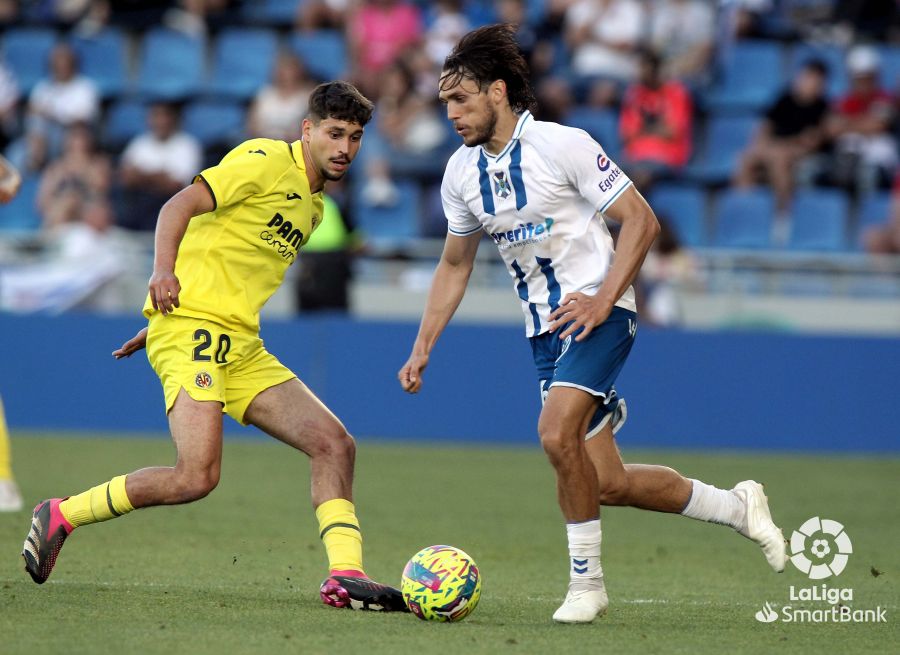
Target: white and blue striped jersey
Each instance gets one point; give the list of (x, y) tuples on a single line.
[(540, 200)]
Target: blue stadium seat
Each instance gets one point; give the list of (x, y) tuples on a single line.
[(242, 62), (21, 215), (277, 13), (171, 65), (390, 224), (124, 120), (890, 67), (324, 52), (832, 55), (603, 126), (102, 58), (725, 139), (25, 51), (750, 77), (874, 210), (684, 208), (819, 220), (214, 123), (744, 218)]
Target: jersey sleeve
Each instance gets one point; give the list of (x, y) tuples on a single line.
[(460, 220), (587, 167), (249, 170)]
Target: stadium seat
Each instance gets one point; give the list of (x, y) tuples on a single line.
[(394, 224), (744, 218), (242, 62), (685, 210), (750, 77), (124, 120), (725, 139), (890, 67), (277, 13), (214, 123), (324, 52), (171, 65), (25, 51), (102, 58), (602, 125), (21, 215), (874, 210), (819, 220), (832, 55)]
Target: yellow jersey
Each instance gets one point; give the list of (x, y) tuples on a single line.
[(232, 259)]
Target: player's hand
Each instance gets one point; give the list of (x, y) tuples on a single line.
[(9, 187), (164, 290), (583, 311), (410, 375), (135, 343)]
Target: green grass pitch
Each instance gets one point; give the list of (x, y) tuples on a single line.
[(239, 571)]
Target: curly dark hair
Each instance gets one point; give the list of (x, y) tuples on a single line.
[(340, 100), (488, 54)]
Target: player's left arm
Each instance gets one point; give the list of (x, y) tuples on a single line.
[(639, 230)]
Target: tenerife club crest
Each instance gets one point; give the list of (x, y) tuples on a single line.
[(501, 185)]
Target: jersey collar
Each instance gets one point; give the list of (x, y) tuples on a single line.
[(524, 118), (296, 149)]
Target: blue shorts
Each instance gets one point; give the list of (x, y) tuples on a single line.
[(591, 365)]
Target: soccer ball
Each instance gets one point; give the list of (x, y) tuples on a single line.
[(441, 583)]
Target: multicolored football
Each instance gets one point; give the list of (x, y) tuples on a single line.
[(441, 583)]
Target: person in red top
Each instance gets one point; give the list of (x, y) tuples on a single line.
[(655, 124), (865, 152)]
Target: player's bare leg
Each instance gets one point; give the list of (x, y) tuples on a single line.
[(197, 432), (662, 489), (291, 413), (562, 425)]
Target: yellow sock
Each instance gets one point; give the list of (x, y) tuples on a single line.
[(5, 461), (339, 530), (104, 502)]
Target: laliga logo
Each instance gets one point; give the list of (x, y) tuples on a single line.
[(828, 545)]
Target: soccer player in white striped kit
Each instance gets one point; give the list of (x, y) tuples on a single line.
[(540, 190)]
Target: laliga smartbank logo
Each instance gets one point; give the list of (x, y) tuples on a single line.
[(820, 549)]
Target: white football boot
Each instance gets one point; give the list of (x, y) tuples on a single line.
[(583, 604), (759, 526), (10, 498)]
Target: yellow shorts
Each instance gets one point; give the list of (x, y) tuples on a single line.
[(211, 362)]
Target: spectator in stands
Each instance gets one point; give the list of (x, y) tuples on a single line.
[(793, 129), (56, 103), (79, 179), (9, 99), (604, 37), (683, 33), (407, 127), (866, 20), (280, 106), (191, 17), (655, 124), (447, 27), (885, 239), (154, 166), (555, 99), (865, 150), (378, 33), (322, 14)]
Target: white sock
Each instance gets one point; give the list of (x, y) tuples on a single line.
[(584, 553), (714, 505)]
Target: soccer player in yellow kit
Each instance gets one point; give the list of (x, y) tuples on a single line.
[(223, 245)]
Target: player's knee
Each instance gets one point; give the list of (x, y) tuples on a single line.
[(196, 484), (559, 446), (614, 491), (334, 443)]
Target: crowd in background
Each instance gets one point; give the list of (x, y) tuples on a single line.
[(651, 69)]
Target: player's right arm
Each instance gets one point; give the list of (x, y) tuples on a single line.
[(173, 220), (447, 290)]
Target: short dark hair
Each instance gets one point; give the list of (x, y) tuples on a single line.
[(488, 54), (816, 65), (339, 100)]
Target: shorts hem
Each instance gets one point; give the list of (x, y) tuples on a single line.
[(601, 394), (273, 383)]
